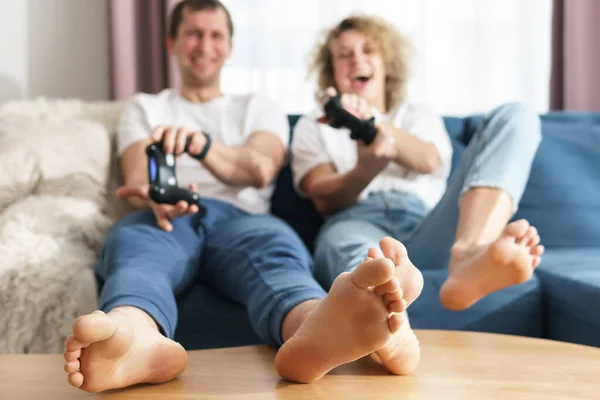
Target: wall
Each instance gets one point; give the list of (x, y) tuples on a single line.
[(55, 48)]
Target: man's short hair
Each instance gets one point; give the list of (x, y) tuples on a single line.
[(196, 5)]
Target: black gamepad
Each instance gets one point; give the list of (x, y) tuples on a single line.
[(360, 129), (163, 180)]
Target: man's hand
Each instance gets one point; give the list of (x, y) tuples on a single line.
[(162, 212), (174, 139)]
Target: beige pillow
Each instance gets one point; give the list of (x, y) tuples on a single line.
[(68, 157)]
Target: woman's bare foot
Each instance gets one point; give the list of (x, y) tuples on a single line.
[(358, 317), (400, 356), (476, 271), (410, 278), (120, 349)]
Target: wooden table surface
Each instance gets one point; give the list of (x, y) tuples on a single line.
[(454, 365)]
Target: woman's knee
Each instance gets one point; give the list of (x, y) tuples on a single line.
[(517, 123), (345, 241)]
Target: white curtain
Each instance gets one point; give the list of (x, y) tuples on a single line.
[(472, 55)]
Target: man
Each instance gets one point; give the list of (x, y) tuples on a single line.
[(255, 259)]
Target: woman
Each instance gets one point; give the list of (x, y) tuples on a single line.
[(396, 186)]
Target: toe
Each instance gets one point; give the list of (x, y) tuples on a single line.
[(93, 328), (393, 249), (530, 236), (391, 286), (373, 273), (523, 240), (375, 253), (73, 344), (534, 241), (391, 297), (398, 306), (537, 250), (76, 379), (517, 229), (395, 322), (71, 355), (536, 261), (71, 366)]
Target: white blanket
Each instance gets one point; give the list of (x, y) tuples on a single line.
[(56, 205)]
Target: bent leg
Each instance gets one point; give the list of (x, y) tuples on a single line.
[(472, 216), (342, 245)]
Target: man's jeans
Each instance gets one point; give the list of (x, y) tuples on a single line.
[(255, 260)]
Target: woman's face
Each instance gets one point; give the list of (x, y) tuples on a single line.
[(358, 67)]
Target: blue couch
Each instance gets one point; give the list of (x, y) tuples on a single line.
[(561, 301)]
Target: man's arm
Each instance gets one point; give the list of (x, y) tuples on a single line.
[(256, 163)]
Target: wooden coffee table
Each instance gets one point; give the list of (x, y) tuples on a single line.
[(454, 365)]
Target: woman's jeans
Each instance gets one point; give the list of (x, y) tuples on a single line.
[(499, 155)]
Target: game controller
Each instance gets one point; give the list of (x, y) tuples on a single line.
[(360, 129), (163, 180)]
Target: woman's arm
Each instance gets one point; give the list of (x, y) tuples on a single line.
[(412, 152), (331, 191)]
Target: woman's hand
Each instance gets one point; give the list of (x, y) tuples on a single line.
[(376, 156)]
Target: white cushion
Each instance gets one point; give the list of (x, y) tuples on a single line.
[(67, 157)]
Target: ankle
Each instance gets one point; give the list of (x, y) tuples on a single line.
[(136, 315), (462, 247), (296, 317)]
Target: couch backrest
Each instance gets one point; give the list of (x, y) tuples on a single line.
[(562, 197)]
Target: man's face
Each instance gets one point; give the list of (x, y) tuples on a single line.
[(202, 46)]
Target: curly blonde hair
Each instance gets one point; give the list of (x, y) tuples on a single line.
[(391, 44)]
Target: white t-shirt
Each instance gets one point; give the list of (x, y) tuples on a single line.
[(227, 119), (314, 143)]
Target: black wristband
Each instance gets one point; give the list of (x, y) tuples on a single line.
[(202, 154)]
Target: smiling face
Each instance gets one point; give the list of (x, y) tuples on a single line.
[(358, 67), (365, 55), (201, 46)]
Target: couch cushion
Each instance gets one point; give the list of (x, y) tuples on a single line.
[(207, 320), (516, 310), (562, 197), (571, 285), (67, 157)]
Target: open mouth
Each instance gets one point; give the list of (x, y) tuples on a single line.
[(361, 80), (363, 77)]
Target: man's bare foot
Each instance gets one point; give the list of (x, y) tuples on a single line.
[(476, 271), (120, 349), (358, 317)]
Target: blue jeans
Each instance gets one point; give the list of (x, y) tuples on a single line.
[(255, 260), (499, 155)]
